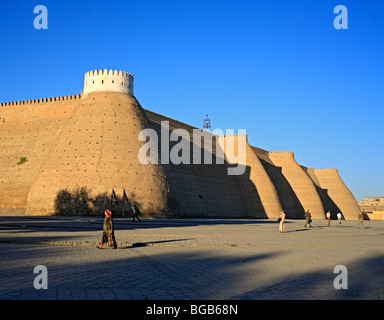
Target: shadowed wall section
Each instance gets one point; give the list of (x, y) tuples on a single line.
[(199, 190), (259, 194), (288, 198), (300, 182), (330, 180)]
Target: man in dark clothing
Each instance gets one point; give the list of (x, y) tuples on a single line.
[(108, 231), (136, 213)]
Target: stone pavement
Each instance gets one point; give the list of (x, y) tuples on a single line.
[(189, 259)]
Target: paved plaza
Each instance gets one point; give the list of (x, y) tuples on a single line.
[(202, 259)]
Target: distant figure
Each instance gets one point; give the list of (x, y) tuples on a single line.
[(339, 217), (328, 217), (308, 220), (136, 213), (108, 231), (360, 218), (282, 220)]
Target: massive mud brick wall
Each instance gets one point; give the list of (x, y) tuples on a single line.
[(199, 190), (259, 193), (28, 129), (97, 151), (79, 149), (337, 192), (301, 184)]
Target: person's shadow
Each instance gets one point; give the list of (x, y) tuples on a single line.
[(146, 244)]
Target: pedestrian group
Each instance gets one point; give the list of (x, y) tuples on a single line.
[(108, 235), (308, 220)]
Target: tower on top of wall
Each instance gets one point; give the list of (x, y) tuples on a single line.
[(116, 81)]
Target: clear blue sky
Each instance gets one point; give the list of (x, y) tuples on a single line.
[(278, 69)]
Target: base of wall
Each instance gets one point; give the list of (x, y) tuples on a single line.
[(375, 215), (13, 211)]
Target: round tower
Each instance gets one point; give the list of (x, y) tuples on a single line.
[(116, 81)]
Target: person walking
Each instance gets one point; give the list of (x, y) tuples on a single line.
[(308, 220), (360, 218), (108, 231), (136, 213), (339, 217), (282, 220), (329, 218)]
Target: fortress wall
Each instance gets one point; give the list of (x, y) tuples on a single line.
[(287, 197), (28, 129), (258, 192), (95, 152), (80, 148), (343, 198), (264, 185), (205, 191), (300, 183), (261, 154), (327, 201), (199, 190)]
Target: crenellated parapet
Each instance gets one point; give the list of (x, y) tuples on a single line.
[(44, 100), (104, 80), (234, 135), (281, 153), (234, 147)]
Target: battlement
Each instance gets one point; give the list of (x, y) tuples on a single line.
[(238, 138), (281, 155), (44, 100), (233, 135), (104, 80), (327, 170), (280, 151), (106, 72)]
